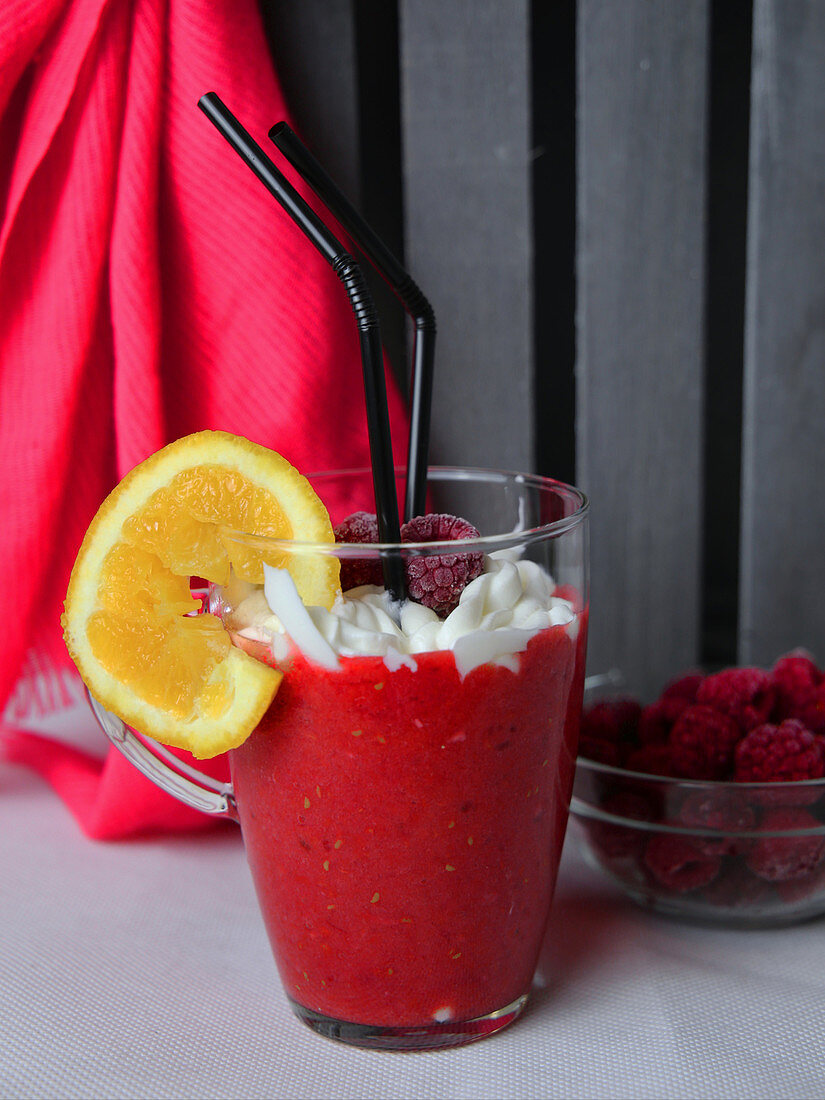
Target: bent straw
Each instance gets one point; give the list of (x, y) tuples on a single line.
[(350, 274), (405, 290)]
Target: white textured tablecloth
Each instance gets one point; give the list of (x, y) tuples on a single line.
[(142, 970)]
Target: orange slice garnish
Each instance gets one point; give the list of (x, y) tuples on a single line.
[(129, 620)]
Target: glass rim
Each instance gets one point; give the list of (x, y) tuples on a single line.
[(584, 811), (482, 544), (613, 770)]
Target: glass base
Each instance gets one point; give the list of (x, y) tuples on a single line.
[(434, 1036)]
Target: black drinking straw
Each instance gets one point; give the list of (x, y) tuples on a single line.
[(350, 274), (405, 290)]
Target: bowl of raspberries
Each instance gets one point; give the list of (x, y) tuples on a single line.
[(709, 803)]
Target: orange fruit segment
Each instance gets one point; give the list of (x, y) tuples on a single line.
[(130, 622)]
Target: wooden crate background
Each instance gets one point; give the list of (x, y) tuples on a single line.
[(617, 209)]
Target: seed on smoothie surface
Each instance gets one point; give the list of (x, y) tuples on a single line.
[(374, 898)]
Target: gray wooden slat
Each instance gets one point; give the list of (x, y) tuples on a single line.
[(642, 89), (313, 44), (783, 510), (465, 136)]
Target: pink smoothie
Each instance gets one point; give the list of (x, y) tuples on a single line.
[(404, 828)]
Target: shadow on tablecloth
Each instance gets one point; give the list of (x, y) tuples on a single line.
[(587, 928)]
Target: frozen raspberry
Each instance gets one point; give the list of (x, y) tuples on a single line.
[(677, 863), (724, 812), (745, 694), (735, 887), (795, 679), (596, 748), (657, 719), (798, 889), (685, 687), (612, 720), (359, 527), (781, 754), (702, 743), (812, 714), (614, 841), (783, 858), (650, 760), (438, 581)]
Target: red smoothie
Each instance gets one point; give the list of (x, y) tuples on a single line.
[(404, 828)]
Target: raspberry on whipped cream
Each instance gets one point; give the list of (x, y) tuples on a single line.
[(437, 581), (359, 527)]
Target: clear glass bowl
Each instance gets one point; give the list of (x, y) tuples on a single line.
[(744, 855)]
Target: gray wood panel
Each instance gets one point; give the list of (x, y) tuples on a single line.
[(465, 134), (313, 45), (642, 89), (783, 503)]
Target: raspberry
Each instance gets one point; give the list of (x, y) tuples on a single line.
[(677, 863), (781, 754), (685, 687), (657, 719), (723, 811), (798, 889), (596, 748), (795, 679), (702, 743), (359, 527), (745, 694), (619, 841), (736, 888), (611, 720), (651, 760), (812, 714), (438, 581), (783, 858)]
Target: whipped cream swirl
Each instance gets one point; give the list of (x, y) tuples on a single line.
[(497, 615)]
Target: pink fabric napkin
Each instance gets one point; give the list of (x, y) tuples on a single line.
[(149, 287)]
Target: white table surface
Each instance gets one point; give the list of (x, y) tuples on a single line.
[(141, 969)]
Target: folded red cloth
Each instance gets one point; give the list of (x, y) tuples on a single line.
[(149, 287)]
